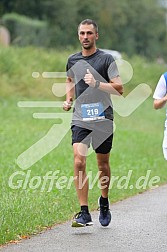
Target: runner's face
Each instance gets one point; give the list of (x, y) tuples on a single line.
[(87, 36)]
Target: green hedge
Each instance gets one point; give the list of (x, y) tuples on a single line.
[(25, 31)]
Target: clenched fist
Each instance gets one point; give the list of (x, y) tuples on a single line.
[(67, 104)]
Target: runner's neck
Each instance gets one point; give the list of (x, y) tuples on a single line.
[(88, 52)]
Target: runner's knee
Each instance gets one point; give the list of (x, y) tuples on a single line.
[(79, 163)]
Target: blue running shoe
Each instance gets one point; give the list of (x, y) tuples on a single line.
[(82, 219), (105, 214)]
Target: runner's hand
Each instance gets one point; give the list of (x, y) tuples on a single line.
[(165, 98), (89, 79), (67, 104)]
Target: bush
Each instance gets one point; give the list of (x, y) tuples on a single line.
[(25, 31)]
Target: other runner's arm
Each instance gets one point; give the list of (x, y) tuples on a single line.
[(160, 103), (70, 90)]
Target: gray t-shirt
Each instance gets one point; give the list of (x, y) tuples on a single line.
[(103, 68)]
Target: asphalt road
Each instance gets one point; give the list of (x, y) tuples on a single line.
[(139, 223)]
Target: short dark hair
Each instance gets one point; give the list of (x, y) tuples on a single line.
[(89, 22)]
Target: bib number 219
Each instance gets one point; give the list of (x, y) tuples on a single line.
[(92, 111)]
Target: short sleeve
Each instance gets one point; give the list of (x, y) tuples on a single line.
[(69, 70), (112, 69), (160, 90)]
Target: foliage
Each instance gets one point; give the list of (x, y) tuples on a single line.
[(33, 8), (25, 31), (133, 27), (140, 28)]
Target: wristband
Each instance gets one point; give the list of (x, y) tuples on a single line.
[(97, 84)]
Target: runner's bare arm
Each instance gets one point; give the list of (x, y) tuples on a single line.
[(70, 90), (113, 87)]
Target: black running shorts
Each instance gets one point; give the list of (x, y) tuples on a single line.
[(100, 139)]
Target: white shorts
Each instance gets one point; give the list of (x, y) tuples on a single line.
[(164, 145)]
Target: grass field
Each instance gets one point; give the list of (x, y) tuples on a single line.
[(30, 207)]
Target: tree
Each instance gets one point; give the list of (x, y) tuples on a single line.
[(32, 8), (141, 27)]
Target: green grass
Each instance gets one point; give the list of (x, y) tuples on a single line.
[(136, 148)]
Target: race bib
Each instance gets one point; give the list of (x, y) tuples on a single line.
[(92, 111)]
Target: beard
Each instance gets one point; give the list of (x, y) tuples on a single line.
[(87, 44)]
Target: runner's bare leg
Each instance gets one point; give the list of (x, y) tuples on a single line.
[(104, 171), (81, 182)]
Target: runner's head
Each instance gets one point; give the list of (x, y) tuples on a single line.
[(88, 33)]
